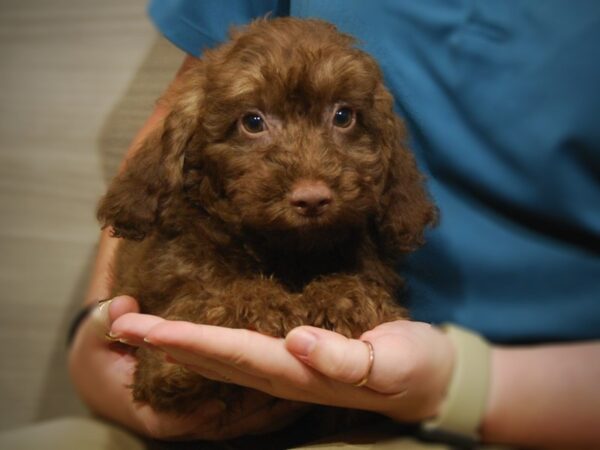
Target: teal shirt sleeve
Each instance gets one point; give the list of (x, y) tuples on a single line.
[(195, 25)]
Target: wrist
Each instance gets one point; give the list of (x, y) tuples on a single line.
[(422, 377)]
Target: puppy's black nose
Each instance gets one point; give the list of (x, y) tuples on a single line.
[(311, 198)]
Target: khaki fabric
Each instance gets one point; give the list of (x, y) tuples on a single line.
[(79, 433)]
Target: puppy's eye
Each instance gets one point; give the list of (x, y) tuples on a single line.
[(253, 123), (343, 117)]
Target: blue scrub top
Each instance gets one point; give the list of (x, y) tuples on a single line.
[(502, 101)]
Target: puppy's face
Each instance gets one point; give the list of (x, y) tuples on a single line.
[(285, 130), (293, 135)]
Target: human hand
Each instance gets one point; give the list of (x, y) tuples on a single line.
[(412, 365), (102, 372)]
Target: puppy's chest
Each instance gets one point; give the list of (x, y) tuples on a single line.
[(296, 271)]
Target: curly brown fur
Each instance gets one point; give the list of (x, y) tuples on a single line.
[(301, 223)]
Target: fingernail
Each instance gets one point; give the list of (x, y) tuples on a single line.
[(111, 337), (102, 311), (300, 342), (114, 338), (100, 317), (148, 342)]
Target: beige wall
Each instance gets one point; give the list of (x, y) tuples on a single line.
[(77, 77)]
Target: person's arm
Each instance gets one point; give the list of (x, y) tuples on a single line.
[(544, 396)]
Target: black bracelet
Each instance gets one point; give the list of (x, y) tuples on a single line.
[(76, 322)]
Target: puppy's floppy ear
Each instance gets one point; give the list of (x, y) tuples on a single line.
[(142, 194), (405, 208)]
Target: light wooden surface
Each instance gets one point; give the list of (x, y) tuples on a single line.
[(77, 78)]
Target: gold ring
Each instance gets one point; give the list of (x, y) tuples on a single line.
[(365, 379), (111, 338)]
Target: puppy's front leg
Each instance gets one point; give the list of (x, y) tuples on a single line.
[(350, 304), (259, 304)]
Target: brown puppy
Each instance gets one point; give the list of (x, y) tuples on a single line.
[(278, 192)]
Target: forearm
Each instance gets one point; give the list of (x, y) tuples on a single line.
[(545, 396), (100, 282), (99, 287)]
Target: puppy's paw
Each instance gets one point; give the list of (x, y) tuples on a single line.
[(349, 305)]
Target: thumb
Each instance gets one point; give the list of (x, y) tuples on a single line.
[(335, 356), (107, 311)]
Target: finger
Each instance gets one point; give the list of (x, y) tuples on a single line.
[(131, 328), (337, 357), (223, 373), (246, 350), (122, 304), (107, 311)]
